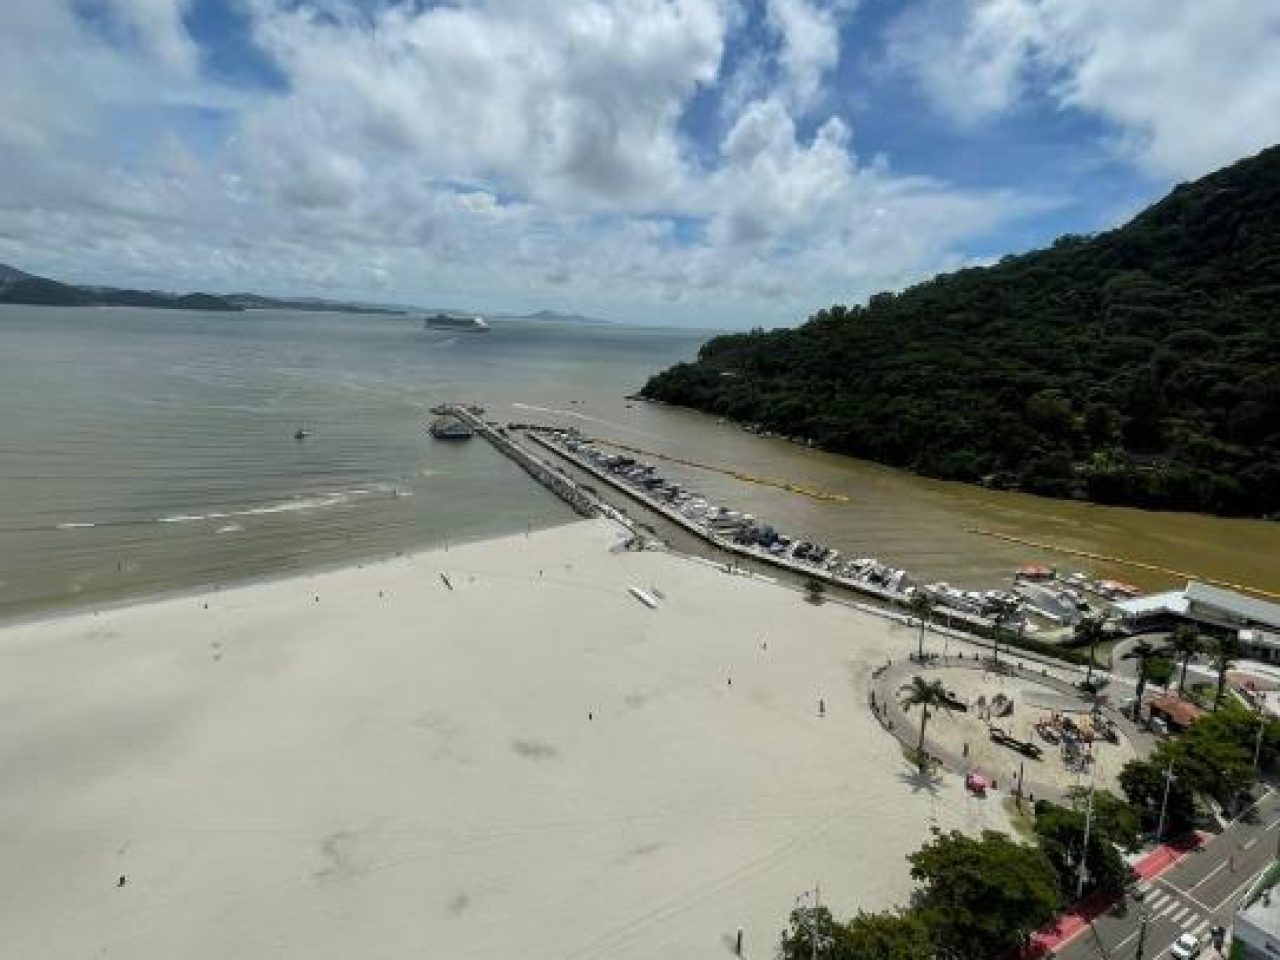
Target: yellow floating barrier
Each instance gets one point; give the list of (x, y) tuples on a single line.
[(736, 474), (1127, 562)]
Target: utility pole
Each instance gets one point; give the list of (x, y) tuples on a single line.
[(1142, 933), (1168, 781), (1088, 825), (811, 917), (1257, 747)]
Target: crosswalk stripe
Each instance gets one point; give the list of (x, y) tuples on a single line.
[(1167, 909), (1177, 917), (1144, 886), (1199, 929), (1156, 898)]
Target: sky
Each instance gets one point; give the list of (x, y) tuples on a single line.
[(697, 162)]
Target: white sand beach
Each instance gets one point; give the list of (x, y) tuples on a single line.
[(401, 769)]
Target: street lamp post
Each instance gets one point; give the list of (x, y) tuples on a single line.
[(1257, 746), (1164, 802), (812, 917), (1142, 933), (1088, 825)]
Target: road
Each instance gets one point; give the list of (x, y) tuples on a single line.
[(1201, 890)]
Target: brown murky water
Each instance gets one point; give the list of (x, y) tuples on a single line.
[(929, 526)]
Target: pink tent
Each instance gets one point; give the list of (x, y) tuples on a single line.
[(976, 782)]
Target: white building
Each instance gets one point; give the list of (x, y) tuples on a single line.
[(1256, 623)]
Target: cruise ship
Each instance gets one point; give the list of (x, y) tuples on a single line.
[(443, 321)]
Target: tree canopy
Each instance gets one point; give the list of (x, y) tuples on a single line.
[(981, 896), (1138, 366)]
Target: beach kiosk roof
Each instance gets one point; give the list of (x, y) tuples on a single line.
[(1035, 571), (1176, 712)]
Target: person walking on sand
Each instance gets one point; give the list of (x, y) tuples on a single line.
[(822, 707)]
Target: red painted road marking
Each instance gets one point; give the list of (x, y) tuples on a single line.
[(1069, 924)]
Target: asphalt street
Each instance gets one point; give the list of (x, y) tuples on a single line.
[(1201, 890)]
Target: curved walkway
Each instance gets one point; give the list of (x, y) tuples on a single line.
[(887, 681)]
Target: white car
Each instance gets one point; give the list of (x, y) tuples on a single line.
[(1186, 947)]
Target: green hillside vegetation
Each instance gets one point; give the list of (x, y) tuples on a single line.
[(1139, 366), (19, 287)]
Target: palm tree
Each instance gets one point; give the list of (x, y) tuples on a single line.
[(921, 606), (1186, 643), (1089, 632), (1144, 652), (1222, 654), (1005, 613), (927, 695)]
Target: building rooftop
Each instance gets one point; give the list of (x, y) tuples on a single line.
[(1249, 608), (1181, 712), (1171, 601)]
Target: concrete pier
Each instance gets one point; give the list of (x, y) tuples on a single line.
[(583, 501)]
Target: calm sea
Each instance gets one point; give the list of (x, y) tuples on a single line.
[(147, 450), (143, 451)]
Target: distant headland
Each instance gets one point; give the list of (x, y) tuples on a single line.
[(19, 287)]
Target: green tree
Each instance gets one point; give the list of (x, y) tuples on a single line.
[(927, 695), (982, 896), (1185, 643), (921, 607), (1223, 651), (1160, 670), (894, 935), (1144, 652), (1143, 783), (1089, 633), (808, 924), (1060, 832), (1115, 816), (1209, 762), (1005, 613)]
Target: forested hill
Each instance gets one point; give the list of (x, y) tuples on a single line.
[(25, 288), (1139, 366)]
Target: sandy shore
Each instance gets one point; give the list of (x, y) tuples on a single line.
[(400, 769)]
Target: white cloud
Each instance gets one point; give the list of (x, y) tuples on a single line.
[(1188, 84), (574, 103), (156, 27), (496, 153), (970, 57), (810, 46)]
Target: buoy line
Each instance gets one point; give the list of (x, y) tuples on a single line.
[(736, 474), (1125, 561)]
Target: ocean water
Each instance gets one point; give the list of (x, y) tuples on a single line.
[(144, 451)]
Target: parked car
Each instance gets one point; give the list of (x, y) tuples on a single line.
[(1186, 947)]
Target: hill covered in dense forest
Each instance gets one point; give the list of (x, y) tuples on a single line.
[(1139, 366), (16, 286)]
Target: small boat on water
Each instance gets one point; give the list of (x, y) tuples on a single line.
[(450, 428), (301, 433)]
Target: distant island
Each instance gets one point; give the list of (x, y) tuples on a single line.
[(17, 286), (1140, 366)]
